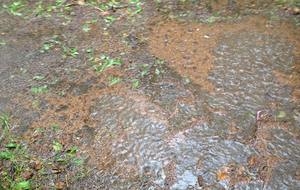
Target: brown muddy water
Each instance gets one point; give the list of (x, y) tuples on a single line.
[(216, 107)]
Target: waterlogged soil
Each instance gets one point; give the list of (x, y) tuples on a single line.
[(217, 105)]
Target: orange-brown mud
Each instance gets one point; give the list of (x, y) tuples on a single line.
[(188, 48)]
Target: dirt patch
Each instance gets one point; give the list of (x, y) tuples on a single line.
[(188, 48), (70, 112)]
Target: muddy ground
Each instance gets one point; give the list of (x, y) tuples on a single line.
[(206, 95)]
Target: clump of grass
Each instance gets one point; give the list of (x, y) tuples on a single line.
[(23, 170), (16, 158), (4, 120), (14, 155), (15, 8)]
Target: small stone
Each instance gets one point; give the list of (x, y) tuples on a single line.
[(200, 181), (297, 175), (296, 11), (80, 2)]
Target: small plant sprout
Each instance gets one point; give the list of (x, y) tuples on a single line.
[(145, 70), (70, 51), (106, 62), (114, 80), (50, 44), (46, 47), (135, 83), (109, 19)]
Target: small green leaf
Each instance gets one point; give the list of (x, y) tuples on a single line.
[(74, 52), (73, 150), (60, 160), (11, 145), (110, 19), (38, 77), (106, 62), (157, 71), (78, 161), (2, 43), (23, 185), (281, 115), (6, 155)]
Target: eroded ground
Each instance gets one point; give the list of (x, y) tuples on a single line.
[(154, 94)]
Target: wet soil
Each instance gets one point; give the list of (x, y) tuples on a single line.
[(217, 105)]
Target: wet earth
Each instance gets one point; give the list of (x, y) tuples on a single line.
[(208, 96)]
